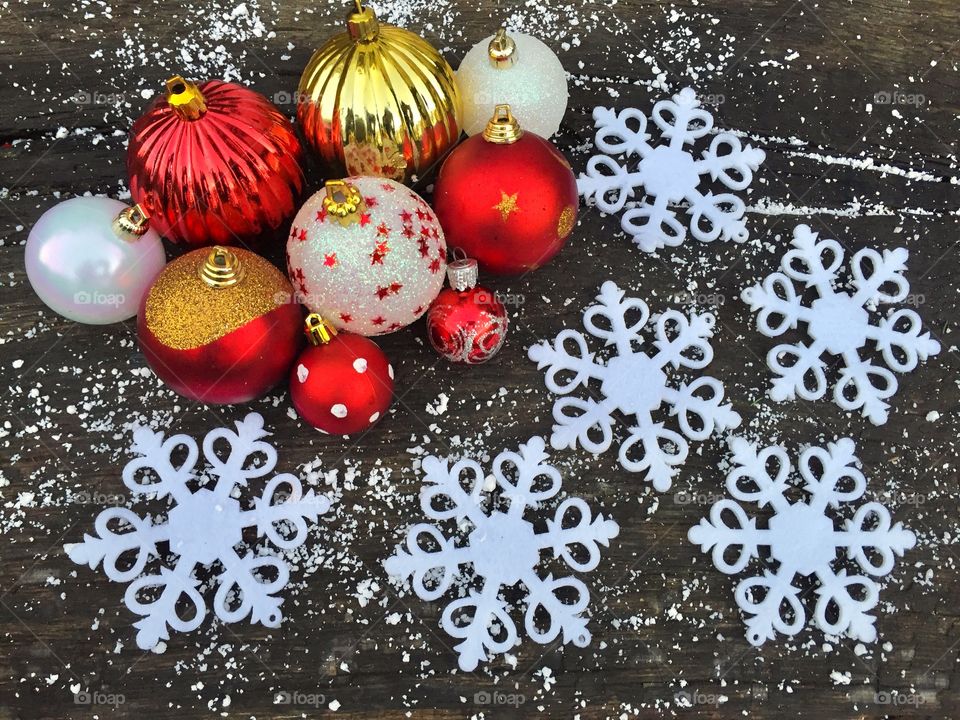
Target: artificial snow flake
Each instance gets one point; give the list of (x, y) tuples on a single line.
[(668, 174), (802, 539), (204, 527), (635, 383), (504, 549), (838, 324)]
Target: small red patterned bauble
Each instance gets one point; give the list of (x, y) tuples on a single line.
[(217, 325), (466, 323), (215, 164), (507, 197), (342, 383), (367, 254)]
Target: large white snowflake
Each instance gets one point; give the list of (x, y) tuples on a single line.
[(503, 549), (802, 539), (668, 174), (634, 383), (838, 324), (204, 528)]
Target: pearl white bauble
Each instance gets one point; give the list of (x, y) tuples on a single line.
[(83, 269), (534, 86)]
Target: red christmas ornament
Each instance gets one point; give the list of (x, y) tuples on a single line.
[(341, 384), (466, 323), (507, 197), (216, 163), (219, 326)]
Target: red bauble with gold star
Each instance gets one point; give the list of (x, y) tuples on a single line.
[(367, 254), (466, 323), (342, 383), (507, 197)]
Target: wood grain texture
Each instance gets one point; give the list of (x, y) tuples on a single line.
[(663, 619)]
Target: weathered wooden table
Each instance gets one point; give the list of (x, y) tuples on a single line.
[(856, 107)]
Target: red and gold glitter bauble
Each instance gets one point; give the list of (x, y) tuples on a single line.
[(466, 323), (506, 197), (342, 383), (367, 254), (214, 164), (218, 325)]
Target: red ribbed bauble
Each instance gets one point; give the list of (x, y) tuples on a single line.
[(466, 323), (215, 164), (218, 325), (342, 383), (506, 197)]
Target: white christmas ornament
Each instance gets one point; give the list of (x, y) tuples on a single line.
[(838, 323), (503, 548), (802, 539), (668, 174), (368, 254), (517, 70), (204, 527), (635, 383)]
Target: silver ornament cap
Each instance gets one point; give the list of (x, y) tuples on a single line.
[(462, 274)]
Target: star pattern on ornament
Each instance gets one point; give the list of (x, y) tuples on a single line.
[(364, 219), (801, 539), (507, 205), (635, 383), (322, 215), (379, 253), (490, 538), (838, 324), (385, 291), (330, 260), (301, 280), (383, 230), (346, 317), (424, 247), (204, 528), (435, 265), (379, 320), (387, 188), (667, 175)]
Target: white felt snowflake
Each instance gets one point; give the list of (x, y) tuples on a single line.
[(668, 174), (635, 383), (802, 539), (205, 527), (503, 549), (838, 324)]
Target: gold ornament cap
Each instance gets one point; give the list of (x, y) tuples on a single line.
[(343, 202), (503, 128), (362, 24), (462, 274), (221, 269), (131, 224), (502, 50), (185, 98), (318, 330)]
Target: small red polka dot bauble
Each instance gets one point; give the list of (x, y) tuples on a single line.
[(342, 383), (367, 254)]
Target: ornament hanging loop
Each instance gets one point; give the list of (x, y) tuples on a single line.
[(185, 98), (131, 224), (318, 330), (362, 24), (502, 50), (503, 128), (462, 274), (221, 269), (343, 202)]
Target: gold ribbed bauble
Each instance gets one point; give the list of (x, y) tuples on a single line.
[(378, 100)]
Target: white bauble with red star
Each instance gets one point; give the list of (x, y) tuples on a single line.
[(367, 254)]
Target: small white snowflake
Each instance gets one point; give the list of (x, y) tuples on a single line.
[(634, 383), (839, 324), (203, 528), (668, 174), (503, 549), (802, 539)]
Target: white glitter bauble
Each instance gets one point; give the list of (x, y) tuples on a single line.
[(375, 270), (532, 82)]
